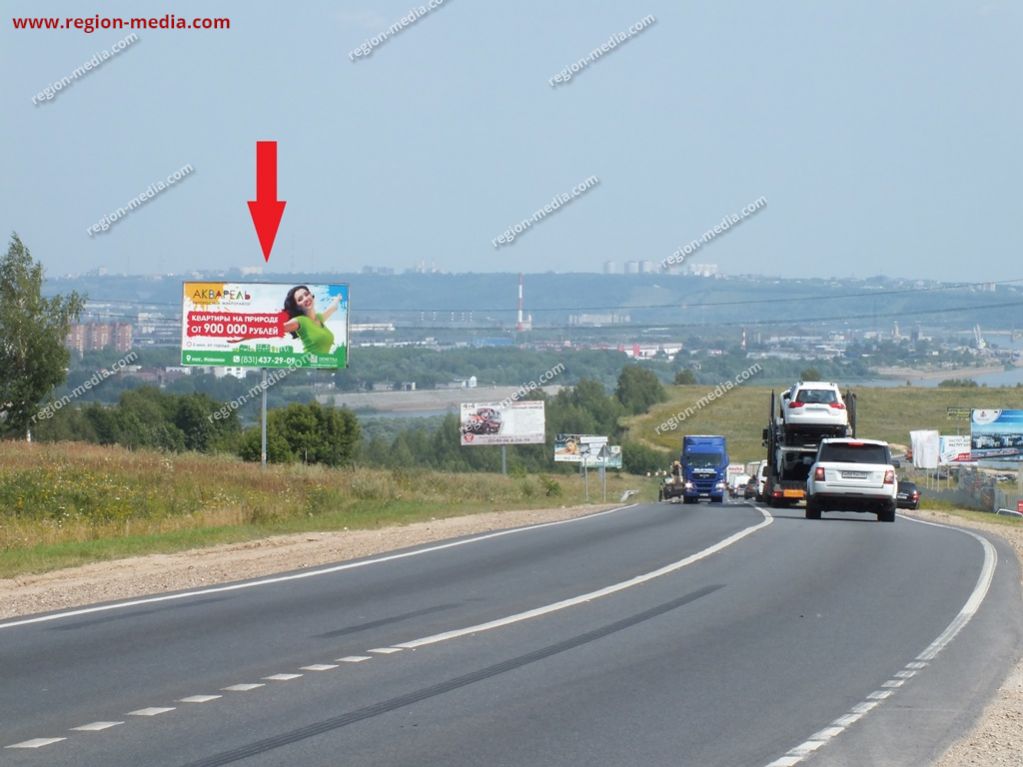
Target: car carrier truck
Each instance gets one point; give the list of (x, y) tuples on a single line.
[(792, 443)]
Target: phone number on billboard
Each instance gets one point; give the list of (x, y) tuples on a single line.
[(274, 359)]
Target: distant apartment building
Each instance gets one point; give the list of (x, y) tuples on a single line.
[(234, 372), (649, 351), (611, 267), (97, 336), (632, 267), (703, 270)]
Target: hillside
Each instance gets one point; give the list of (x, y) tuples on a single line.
[(883, 413)]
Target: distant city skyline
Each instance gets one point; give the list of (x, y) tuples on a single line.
[(884, 137)]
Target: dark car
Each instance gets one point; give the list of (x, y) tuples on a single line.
[(750, 490), (908, 497), (486, 420)]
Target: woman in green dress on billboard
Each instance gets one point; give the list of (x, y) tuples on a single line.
[(308, 324)]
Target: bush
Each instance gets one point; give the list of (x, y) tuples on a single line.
[(958, 383), (638, 458), (551, 487)]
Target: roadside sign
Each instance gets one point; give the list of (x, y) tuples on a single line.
[(958, 412), (1019, 506)]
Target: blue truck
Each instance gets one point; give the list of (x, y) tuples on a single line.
[(704, 467)]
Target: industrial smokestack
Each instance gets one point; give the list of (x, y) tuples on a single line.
[(519, 323)]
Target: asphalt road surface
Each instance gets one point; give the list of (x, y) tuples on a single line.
[(652, 635)]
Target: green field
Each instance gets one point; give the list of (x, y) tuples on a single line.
[(64, 504), (882, 413)]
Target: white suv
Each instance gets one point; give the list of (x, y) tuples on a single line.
[(852, 475), (815, 407)]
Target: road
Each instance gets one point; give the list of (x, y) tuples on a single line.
[(650, 635)]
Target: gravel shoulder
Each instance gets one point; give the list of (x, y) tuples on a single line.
[(997, 738)]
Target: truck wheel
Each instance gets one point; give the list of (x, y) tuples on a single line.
[(886, 514), (813, 510), (717, 498)]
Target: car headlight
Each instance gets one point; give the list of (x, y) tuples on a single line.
[(720, 486), (689, 485)]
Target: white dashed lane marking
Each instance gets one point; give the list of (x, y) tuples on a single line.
[(36, 743), (433, 639), (242, 687), (96, 726), (152, 711), (889, 688), (310, 573)]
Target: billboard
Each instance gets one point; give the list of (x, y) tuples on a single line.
[(606, 456), (572, 447), (264, 325), (996, 434), (953, 448), (491, 423), (925, 444)]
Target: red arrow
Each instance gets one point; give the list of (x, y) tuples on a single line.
[(266, 209)]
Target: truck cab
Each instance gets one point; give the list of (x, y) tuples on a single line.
[(704, 467)]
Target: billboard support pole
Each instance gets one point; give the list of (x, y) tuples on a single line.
[(262, 449), (586, 481), (504, 460)]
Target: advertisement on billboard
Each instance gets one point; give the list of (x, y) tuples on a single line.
[(996, 434), (492, 423), (264, 325), (571, 448), (953, 448)]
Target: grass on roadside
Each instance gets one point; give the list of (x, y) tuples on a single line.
[(65, 504)]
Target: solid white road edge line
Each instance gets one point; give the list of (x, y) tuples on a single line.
[(875, 699), (306, 574), (590, 596)]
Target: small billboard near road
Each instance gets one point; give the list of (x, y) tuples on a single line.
[(603, 456), (953, 448), (571, 448), (264, 325), (493, 423), (996, 434)]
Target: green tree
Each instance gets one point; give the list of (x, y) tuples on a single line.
[(810, 374), (685, 377), (33, 359), (639, 388), (306, 433)]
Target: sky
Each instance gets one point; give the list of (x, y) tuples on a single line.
[(884, 137)]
